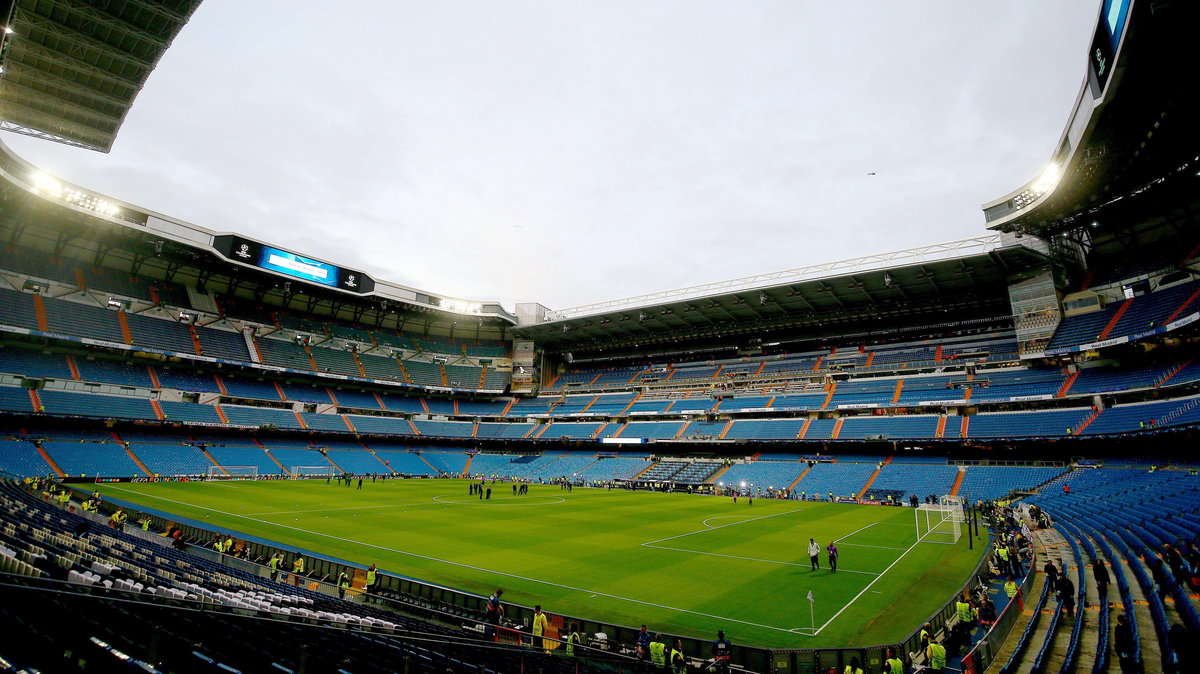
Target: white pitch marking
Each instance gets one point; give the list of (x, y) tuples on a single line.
[(720, 517), (701, 531), (839, 540), (868, 587), (458, 564), (878, 547), (749, 559)]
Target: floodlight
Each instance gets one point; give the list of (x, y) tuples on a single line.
[(1048, 180), (44, 183)]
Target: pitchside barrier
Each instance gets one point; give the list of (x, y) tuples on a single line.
[(409, 596)]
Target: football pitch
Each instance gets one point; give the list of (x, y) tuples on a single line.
[(684, 564)]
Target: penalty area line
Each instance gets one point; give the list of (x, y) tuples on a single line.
[(593, 593)]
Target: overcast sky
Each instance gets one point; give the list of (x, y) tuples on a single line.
[(574, 152)]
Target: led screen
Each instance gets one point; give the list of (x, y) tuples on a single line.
[(297, 266)]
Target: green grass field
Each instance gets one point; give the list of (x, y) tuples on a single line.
[(679, 563)]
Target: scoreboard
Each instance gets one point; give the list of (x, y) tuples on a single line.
[(307, 269), (1114, 14)]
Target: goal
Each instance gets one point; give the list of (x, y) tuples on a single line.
[(940, 522), (301, 472), (233, 473)]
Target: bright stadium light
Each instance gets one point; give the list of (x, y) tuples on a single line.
[(1048, 180)]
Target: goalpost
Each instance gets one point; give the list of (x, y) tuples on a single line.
[(233, 473), (301, 472), (940, 522)]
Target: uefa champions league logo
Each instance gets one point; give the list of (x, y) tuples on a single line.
[(243, 252), (351, 281)]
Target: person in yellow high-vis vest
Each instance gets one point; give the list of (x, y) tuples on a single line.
[(572, 639), (935, 657), (541, 624), (658, 652), (298, 569)]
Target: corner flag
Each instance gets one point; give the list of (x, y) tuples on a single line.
[(810, 597)]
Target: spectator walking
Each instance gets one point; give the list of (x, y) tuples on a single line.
[(814, 554), (1100, 573)]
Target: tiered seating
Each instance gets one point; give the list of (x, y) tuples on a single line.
[(1027, 424), (308, 394), (260, 416), (481, 407), (445, 429), (994, 482), (405, 462), (33, 364), (72, 318), (664, 470), (696, 472), (891, 427), (425, 374), (449, 462), (323, 422), (230, 455), (843, 479), (21, 458), (91, 458), (614, 468), (189, 412), (160, 334), (506, 430), (399, 403), (186, 380), (113, 372), (247, 388), (282, 353), (765, 429), (1005, 384), (921, 479), (574, 431), (337, 361), (381, 367), (1142, 313), (93, 405), (662, 430), (359, 399), (462, 376), (222, 344), (173, 459), (380, 425), (772, 474)]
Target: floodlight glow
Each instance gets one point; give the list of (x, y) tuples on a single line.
[(8, 31), (1047, 181), (460, 306), (44, 183)]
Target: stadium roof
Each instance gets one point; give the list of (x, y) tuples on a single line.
[(915, 282), (71, 69), (1133, 125)]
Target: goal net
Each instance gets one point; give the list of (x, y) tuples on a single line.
[(940, 522), (233, 472), (299, 472)]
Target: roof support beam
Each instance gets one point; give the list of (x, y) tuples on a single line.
[(71, 62), (77, 41), (6, 125), (32, 97), (112, 23), (63, 84)]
